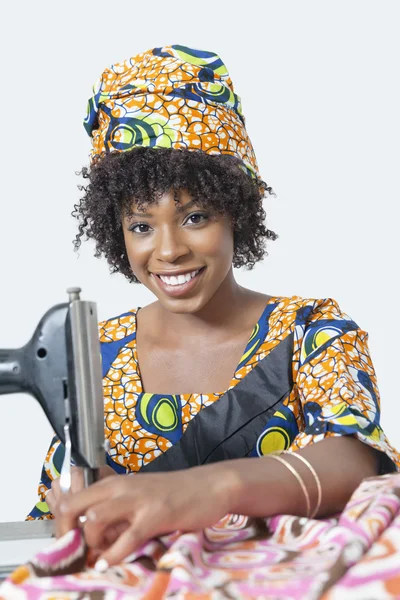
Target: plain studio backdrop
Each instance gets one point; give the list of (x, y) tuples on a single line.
[(320, 92)]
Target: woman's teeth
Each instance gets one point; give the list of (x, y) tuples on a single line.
[(178, 279)]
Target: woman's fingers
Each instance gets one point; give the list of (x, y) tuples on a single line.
[(129, 541), (54, 494), (72, 507), (102, 519), (112, 533), (98, 544), (54, 497), (77, 480)]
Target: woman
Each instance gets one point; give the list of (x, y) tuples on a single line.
[(207, 385)]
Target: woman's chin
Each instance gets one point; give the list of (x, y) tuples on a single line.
[(181, 306)]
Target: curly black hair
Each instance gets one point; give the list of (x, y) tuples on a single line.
[(142, 175)]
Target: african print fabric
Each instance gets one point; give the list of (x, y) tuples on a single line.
[(334, 391), (355, 556), (169, 97)]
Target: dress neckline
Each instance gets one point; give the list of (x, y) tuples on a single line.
[(248, 353)]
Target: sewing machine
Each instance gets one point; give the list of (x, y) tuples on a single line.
[(61, 367)]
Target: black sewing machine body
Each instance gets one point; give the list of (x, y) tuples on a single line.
[(61, 367)]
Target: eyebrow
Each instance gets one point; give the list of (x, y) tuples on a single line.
[(179, 208)]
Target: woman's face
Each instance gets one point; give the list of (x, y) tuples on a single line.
[(181, 252)]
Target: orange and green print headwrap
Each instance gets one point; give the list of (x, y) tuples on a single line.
[(169, 97)]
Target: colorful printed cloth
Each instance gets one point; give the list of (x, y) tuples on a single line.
[(353, 557), (331, 390), (169, 97)]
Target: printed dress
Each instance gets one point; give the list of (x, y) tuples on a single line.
[(314, 353), (305, 375)]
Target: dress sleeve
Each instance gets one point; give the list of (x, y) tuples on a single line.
[(51, 470), (336, 382)]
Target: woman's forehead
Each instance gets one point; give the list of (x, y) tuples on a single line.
[(179, 201)]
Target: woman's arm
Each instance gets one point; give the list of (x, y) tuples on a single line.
[(263, 486)]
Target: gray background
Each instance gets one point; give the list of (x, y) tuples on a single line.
[(319, 85)]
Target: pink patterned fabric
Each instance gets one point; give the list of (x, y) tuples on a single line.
[(353, 556)]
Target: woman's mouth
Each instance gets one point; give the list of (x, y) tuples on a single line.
[(178, 285)]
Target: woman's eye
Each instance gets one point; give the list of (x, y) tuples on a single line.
[(139, 228), (196, 218)]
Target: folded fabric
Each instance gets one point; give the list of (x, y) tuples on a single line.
[(353, 556)]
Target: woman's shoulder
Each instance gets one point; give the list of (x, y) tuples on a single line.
[(307, 310), (119, 327)]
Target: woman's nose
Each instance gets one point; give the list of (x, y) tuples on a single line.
[(170, 246)]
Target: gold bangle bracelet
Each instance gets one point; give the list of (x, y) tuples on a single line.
[(298, 477), (317, 479)]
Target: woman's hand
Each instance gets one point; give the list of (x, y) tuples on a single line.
[(140, 507), (54, 495)]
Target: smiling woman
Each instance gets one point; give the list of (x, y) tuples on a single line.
[(204, 387)]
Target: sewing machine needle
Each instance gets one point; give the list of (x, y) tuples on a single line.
[(65, 477)]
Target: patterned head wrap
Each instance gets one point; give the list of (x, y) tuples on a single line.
[(169, 97)]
